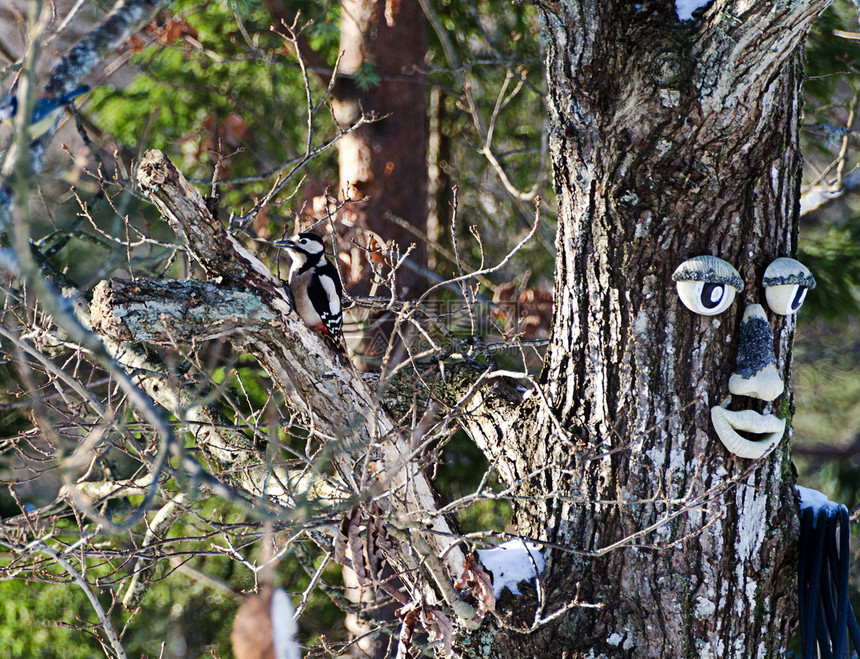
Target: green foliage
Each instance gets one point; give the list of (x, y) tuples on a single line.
[(190, 102), (244, 7), (40, 616), (833, 254), (830, 239), (366, 75), (827, 384), (829, 56), (191, 617), (324, 31), (459, 475)]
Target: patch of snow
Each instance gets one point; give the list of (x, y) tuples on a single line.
[(641, 324), (751, 589), (685, 8), (510, 564), (614, 639), (284, 627)]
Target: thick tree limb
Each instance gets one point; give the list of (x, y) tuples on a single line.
[(126, 18), (190, 311), (167, 313), (373, 457)]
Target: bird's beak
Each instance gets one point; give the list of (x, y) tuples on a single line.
[(285, 243)]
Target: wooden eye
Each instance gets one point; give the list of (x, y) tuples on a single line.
[(707, 285), (786, 283)]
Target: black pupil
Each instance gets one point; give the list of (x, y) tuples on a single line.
[(712, 295), (799, 296)]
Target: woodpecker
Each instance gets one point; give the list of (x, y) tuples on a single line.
[(316, 286), (45, 110)]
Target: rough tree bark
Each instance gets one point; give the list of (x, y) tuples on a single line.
[(670, 140)]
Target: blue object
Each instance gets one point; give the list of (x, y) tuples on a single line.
[(826, 617), (44, 112)]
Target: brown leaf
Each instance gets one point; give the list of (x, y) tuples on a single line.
[(379, 547), (440, 627), (378, 544), (135, 44), (355, 546), (481, 584), (409, 614), (234, 129), (341, 542), (252, 627), (527, 312), (172, 29)]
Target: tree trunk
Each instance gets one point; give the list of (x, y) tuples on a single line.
[(384, 163), (670, 140)]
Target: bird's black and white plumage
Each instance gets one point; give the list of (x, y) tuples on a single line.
[(316, 286)]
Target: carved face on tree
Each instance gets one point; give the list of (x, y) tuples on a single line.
[(707, 286)]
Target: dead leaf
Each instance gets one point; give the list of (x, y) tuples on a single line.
[(481, 584), (355, 547), (527, 312), (135, 44), (341, 542), (234, 129), (171, 29), (409, 614), (440, 627)]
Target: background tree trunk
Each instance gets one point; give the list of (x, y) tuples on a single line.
[(670, 140), (383, 47)]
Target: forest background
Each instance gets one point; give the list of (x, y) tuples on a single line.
[(226, 98)]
